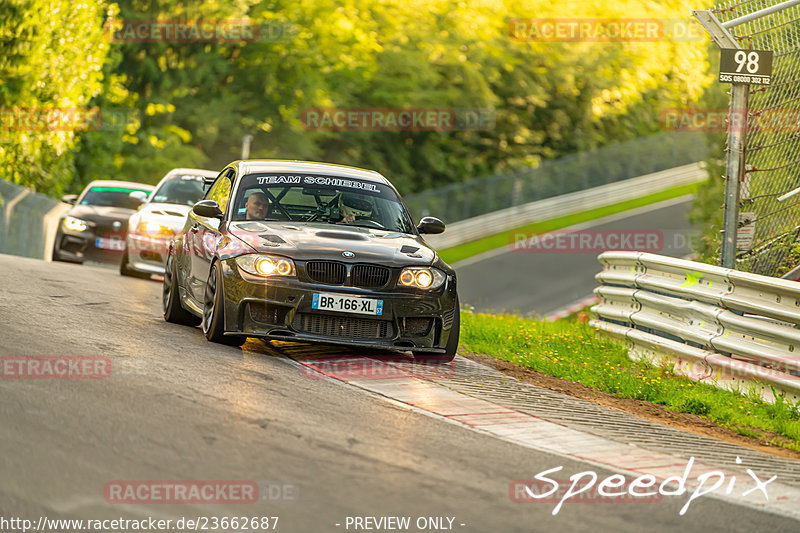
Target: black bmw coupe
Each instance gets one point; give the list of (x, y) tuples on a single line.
[(311, 252), (94, 229)]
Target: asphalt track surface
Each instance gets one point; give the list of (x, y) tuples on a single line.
[(540, 281), (176, 407)]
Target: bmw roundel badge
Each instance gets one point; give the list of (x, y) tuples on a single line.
[(348, 254)]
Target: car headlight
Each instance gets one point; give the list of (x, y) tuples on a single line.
[(75, 224), (154, 229), (266, 265), (421, 278)]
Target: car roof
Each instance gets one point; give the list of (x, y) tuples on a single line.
[(252, 166), (114, 183), (193, 172)]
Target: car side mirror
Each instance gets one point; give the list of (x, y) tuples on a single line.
[(69, 199), (430, 225), (208, 209), (139, 196)]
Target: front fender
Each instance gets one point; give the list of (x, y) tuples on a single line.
[(232, 247), (234, 289)]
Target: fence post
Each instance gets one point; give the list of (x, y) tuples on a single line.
[(734, 172), (736, 128), (516, 191)]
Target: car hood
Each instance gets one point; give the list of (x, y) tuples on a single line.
[(100, 215), (170, 215), (305, 241), (170, 210)]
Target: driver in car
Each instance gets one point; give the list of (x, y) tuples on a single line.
[(257, 206), (352, 207)]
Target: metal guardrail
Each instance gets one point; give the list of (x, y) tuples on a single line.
[(514, 217), (734, 329), (27, 221)]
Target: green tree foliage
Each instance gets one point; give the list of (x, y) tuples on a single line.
[(190, 104), (52, 54)]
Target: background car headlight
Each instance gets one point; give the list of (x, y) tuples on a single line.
[(421, 278), (154, 229), (266, 265), (75, 224)]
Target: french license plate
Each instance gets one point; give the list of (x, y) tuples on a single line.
[(347, 304), (110, 244)]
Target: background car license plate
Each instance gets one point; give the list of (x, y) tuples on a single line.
[(349, 304), (110, 244)]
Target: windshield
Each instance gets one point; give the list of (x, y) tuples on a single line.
[(111, 197), (325, 199), (183, 190)]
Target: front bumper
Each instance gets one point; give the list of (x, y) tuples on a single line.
[(147, 254), (280, 308), (81, 246)]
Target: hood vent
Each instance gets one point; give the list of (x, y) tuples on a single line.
[(406, 249), (342, 235), (274, 239)]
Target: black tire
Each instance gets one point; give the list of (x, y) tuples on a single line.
[(170, 298), (214, 311), (450, 348), (126, 270)]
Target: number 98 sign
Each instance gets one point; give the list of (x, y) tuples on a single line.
[(745, 66)]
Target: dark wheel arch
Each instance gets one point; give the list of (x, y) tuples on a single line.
[(452, 342), (213, 321), (170, 296)]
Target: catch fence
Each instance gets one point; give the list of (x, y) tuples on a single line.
[(771, 137), (571, 173)]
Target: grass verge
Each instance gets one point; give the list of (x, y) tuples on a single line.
[(574, 351), (462, 251)]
